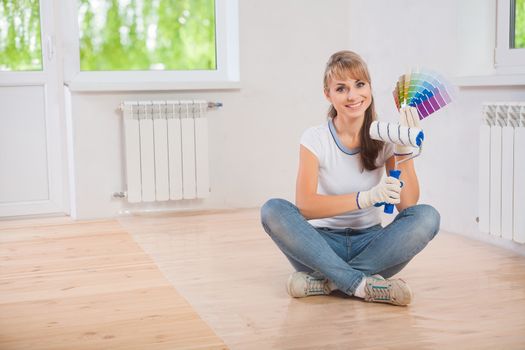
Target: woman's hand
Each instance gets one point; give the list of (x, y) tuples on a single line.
[(386, 191), (409, 117)]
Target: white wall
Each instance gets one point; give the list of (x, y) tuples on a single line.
[(454, 39), (283, 48), (253, 138)]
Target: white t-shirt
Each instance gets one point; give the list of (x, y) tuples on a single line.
[(341, 172)]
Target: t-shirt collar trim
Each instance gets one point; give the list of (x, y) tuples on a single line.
[(343, 148)]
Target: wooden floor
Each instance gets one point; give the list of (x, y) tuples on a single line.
[(468, 295), (66, 285)]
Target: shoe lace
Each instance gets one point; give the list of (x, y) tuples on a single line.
[(315, 284), (378, 292)]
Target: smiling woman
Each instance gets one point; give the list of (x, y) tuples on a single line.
[(332, 235)]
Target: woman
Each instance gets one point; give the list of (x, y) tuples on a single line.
[(333, 236)]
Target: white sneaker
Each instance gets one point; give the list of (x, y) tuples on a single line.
[(301, 284), (395, 291)]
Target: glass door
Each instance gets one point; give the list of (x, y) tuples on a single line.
[(30, 137)]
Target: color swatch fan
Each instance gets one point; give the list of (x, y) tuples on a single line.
[(424, 89)]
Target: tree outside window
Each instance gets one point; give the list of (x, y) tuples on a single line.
[(20, 42), (120, 35)]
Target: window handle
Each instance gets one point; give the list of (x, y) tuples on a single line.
[(50, 47)]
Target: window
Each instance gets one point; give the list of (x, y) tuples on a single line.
[(517, 24), (510, 40), (152, 44), (20, 40), (147, 35)]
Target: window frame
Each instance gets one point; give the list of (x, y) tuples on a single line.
[(506, 60), (226, 76)]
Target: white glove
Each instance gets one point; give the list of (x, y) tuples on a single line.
[(408, 116), (386, 191)]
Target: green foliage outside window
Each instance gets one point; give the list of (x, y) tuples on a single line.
[(519, 25), (118, 35), (20, 43)]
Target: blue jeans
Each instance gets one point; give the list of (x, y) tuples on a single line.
[(346, 256)]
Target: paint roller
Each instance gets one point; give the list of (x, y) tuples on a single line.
[(399, 135)]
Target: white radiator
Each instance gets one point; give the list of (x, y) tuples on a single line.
[(166, 146), (502, 171)]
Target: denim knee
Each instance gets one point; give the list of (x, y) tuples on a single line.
[(428, 219), (270, 212)]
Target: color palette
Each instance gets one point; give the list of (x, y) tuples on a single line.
[(424, 89)]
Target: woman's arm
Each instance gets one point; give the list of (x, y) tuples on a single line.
[(410, 191), (313, 205)]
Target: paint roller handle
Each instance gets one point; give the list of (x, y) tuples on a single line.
[(389, 208)]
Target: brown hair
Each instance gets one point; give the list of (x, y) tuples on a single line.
[(344, 65)]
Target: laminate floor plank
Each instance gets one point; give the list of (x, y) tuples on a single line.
[(88, 285)]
